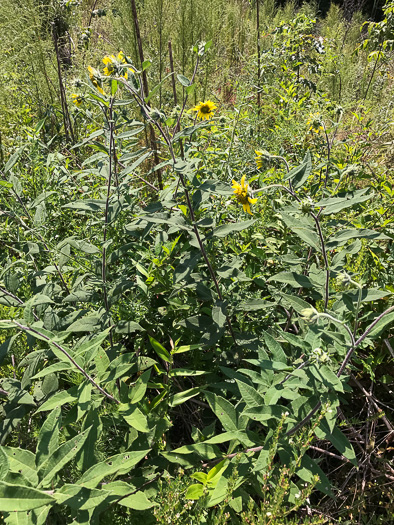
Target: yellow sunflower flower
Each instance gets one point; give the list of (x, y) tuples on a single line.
[(95, 79), (262, 155), (241, 194), (115, 65), (77, 99), (315, 123), (205, 110), (110, 67)]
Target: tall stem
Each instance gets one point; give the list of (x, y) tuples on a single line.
[(258, 55), (106, 215), (172, 71), (145, 88)]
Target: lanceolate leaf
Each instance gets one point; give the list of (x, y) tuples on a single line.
[(4, 464), (137, 501), (226, 229), (60, 457), (134, 417), (121, 463), (341, 237), (58, 399), (224, 411), (80, 498), (48, 439), (338, 439), (16, 498), (160, 350), (22, 462), (295, 280)]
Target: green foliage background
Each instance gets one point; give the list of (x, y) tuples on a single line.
[(167, 357)]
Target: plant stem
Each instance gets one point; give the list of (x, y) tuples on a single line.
[(106, 214), (59, 347)]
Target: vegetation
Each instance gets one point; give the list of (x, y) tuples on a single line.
[(196, 291)]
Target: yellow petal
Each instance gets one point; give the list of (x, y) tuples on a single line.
[(252, 201), (243, 181)]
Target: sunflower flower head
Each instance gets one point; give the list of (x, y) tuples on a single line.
[(77, 99), (95, 79), (205, 110), (315, 123), (242, 195), (261, 156), (115, 66)]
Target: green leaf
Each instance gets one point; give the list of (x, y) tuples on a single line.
[(200, 476), (226, 229), (86, 205), (89, 323), (114, 465), (335, 204), (4, 464), (310, 468), (137, 501), (80, 498), (186, 266), (224, 411), (56, 367), (183, 80), (58, 399), (135, 164), (266, 413), (13, 159), (194, 491), (216, 472), (137, 392), (127, 327), (300, 174), (60, 457), (249, 394), (48, 438), (160, 350), (185, 372), (252, 305), (338, 439), (16, 498), (134, 417), (294, 301), (22, 462), (342, 236), (296, 280), (7, 346), (275, 348), (184, 396), (114, 87), (381, 325), (304, 231)]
